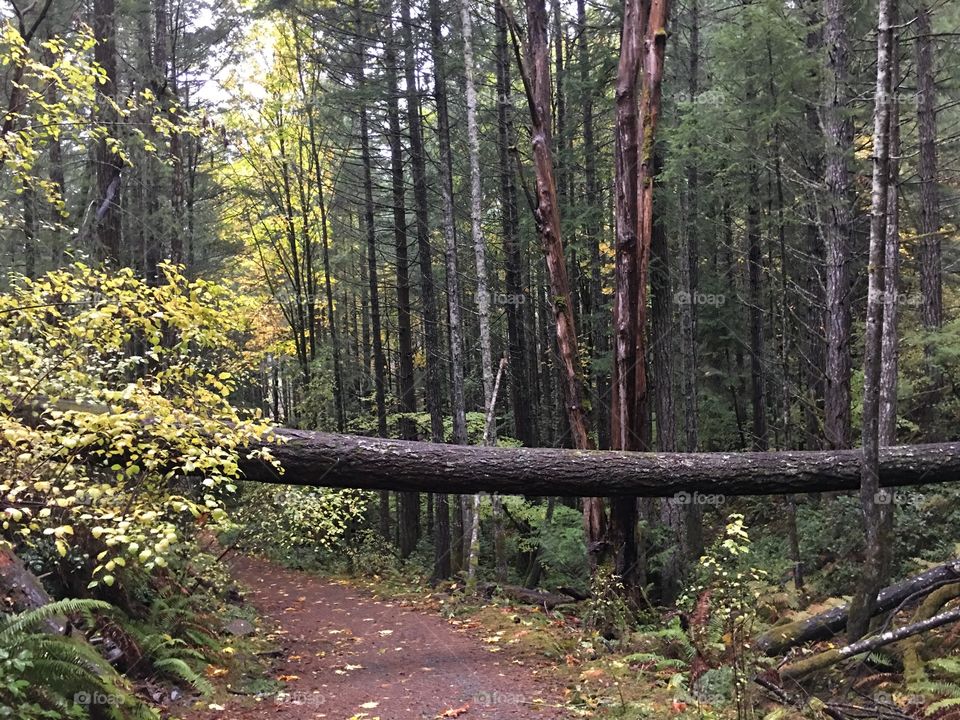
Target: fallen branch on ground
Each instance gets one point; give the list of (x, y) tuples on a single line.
[(542, 598), (827, 624), (820, 661)]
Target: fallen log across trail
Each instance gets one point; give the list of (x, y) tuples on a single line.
[(330, 460)]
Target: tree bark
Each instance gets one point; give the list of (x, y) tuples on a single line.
[(108, 162), (591, 230), (889, 362), (431, 325), (824, 660), (331, 460), (876, 508), (379, 359), (929, 225), (827, 624), (520, 376), (755, 275), (441, 542), (476, 231), (838, 134), (409, 503), (536, 78)]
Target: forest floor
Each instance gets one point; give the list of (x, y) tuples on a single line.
[(342, 653)]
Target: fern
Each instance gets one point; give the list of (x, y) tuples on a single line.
[(947, 687), (939, 705), (178, 668), (659, 662), (169, 656), (30, 619), (44, 672)]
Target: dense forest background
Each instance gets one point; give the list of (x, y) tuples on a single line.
[(695, 226)]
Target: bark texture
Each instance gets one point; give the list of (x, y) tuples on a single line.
[(331, 460)]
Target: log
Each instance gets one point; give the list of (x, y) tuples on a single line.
[(821, 661), (318, 459), (332, 460), (827, 624), (21, 590), (546, 600)]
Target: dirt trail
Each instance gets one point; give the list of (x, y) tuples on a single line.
[(346, 655)]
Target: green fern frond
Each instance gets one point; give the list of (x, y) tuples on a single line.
[(950, 666), (177, 668), (939, 705), (659, 662), (30, 619)]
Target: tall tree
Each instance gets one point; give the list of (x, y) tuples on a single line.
[(876, 510), (442, 546), (837, 222), (476, 230), (418, 164), (521, 375), (409, 503), (108, 163), (929, 225)]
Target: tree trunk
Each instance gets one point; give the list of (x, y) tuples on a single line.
[(825, 625), (442, 549), (755, 278), (479, 242), (875, 506), (379, 359), (889, 363), (330, 460), (109, 164), (837, 224), (520, 377), (929, 225), (433, 375), (599, 320), (409, 508)]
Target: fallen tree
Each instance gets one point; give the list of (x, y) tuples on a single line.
[(331, 460), (820, 661), (827, 624)]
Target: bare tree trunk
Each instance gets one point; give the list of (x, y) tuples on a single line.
[(309, 92), (409, 519), (930, 236), (591, 232), (489, 440), (108, 163), (889, 363), (379, 359), (689, 259), (442, 549), (673, 515), (433, 375), (57, 178), (931, 264), (875, 506), (838, 133), (520, 377), (479, 243), (755, 276)]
